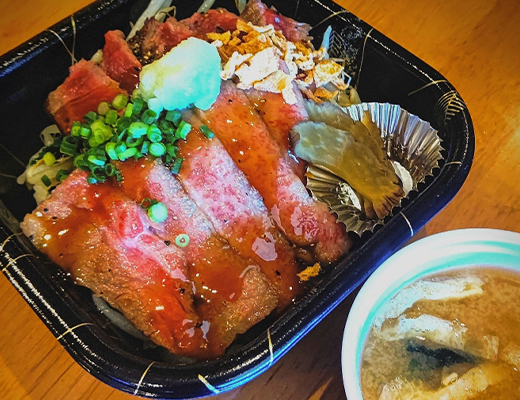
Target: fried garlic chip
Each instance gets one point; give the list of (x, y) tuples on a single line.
[(310, 272)]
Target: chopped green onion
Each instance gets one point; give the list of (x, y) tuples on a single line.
[(138, 106), (174, 116), (120, 101), (154, 134), (120, 147), (145, 147), (97, 138), (129, 110), (158, 212), (61, 175), (172, 150), (127, 153), (206, 131), (170, 138), (69, 146), (182, 240), (183, 130), (79, 161), (133, 142), (176, 167), (108, 135), (97, 125), (149, 117), (99, 152), (75, 129), (110, 149), (103, 108), (102, 131), (111, 117), (110, 170), (90, 117), (49, 159), (122, 124), (95, 160), (98, 174), (91, 179), (166, 127), (46, 181), (85, 131), (157, 149), (137, 129)]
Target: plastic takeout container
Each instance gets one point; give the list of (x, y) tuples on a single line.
[(388, 74)]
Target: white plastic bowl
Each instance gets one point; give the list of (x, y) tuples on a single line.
[(448, 250)]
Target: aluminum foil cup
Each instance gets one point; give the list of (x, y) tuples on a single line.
[(412, 145)]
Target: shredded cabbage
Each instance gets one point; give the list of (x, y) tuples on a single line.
[(241, 4), (204, 7), (153, 8), (32, 176)]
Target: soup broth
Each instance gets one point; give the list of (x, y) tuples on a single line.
[(449, 336)]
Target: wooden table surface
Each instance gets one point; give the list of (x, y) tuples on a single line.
[(474, 43)]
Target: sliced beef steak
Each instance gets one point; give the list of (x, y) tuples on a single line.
[(119, 62), (175, 296), (259, 14), (245, 136), (219, 20), (237, 211), (280, 117), (103, 239), (224, 281), (83, 90)]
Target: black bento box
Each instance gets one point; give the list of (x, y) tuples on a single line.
[(382, 72)]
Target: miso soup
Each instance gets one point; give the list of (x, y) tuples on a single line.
[(454, 335)]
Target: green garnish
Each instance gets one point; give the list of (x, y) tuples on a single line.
[(49, 158), (158, 212), (120, 101), (137, 129), (176, 167), (90, 117), (69, 145), (111, 117), (75, 129), (46, 181), (125, 155), (182, 130), (85, 132), (138, 106), (92, 179), (182, 240), (157, 149), (154, 134), (103, 108), (149, 117), (206, 131), (120, 130), (174, 116), (61, 175)]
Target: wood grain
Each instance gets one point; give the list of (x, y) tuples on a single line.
[(473, 43)]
